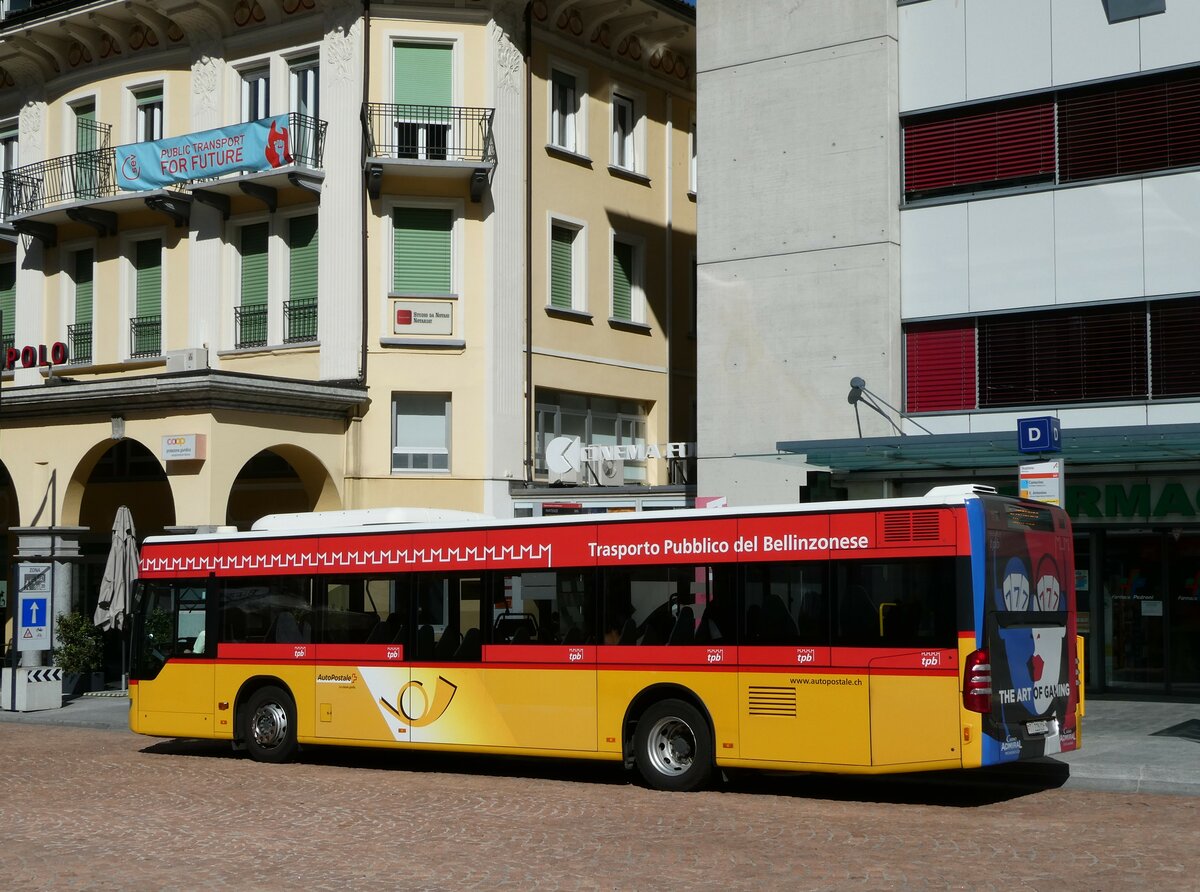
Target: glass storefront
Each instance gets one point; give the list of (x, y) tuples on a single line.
[(1140, 591)]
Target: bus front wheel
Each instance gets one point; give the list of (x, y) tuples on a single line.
[(269, 727), (673, 748)]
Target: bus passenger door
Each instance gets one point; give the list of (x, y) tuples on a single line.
[(172, 626)]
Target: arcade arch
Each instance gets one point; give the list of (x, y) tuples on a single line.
[(281, 479)]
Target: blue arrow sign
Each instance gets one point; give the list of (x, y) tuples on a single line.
[(33, 612)]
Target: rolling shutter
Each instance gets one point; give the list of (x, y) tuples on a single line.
[(302, 236), (562, 278), (421, 240), (148, 262), (1174, 333), (83, 287), (622, 285), (422, 75), (254, 265), (8, 297)]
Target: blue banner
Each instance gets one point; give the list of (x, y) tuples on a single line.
[(259, 145)]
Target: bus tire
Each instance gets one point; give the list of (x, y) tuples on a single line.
[(269, 725), (673, 748)]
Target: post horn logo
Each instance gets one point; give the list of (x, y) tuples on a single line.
[(428, 713)]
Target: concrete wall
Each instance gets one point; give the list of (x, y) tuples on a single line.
[(799, 270)]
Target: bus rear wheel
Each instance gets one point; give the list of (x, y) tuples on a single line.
[(673, 748), (269, 725)]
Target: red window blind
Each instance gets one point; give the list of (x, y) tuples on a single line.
[(1131, 127), (940, 366), (996, 144)]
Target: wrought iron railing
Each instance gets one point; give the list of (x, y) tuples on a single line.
[(145, 336), (429, 132), (79, 343), (299, 321), (250, 326), (92, 174)]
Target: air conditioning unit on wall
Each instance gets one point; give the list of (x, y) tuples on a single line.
[(605, 472), (187, 360)]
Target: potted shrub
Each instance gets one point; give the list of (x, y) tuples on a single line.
[(80, 653)]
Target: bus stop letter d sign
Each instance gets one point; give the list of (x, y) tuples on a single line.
[(1039, 434)]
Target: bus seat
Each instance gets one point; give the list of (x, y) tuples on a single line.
[(778, 622), (425, 643), (470, 650), (522, 636), (575, 635), (385, 630), (684, 630), (286, 630), (628, 632), (448, 644)]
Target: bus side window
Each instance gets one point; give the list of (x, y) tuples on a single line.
[(544, 607), (786, 603), (273, 610), (655, 604), (450, 613)]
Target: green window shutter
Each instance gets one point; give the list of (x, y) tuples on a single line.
[(149, 277), (254, 265), (8, 297), (622, 286), (302, 237), (562, 241), (421, 250), (83, 287), (152, 95), (422, 75)]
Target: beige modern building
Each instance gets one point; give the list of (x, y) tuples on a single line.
[(280, 255)]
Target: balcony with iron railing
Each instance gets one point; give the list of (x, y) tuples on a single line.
[(441, 140), (79, 343), (145, 336), (84, 187), (250, 326), (299, 321)]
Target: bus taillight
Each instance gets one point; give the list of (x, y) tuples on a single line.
[(977, 682)]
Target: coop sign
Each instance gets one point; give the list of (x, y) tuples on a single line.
[(34, 356), (184, 447)]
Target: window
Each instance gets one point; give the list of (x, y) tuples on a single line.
[(90, 135), (899, 603), (8, 301), (627, 297), (250, 318), (1118, 128), (149, 114), (692, 156), (674, 605), (300, 310), (786, 603), (422, 260), (593, 420), (1095, 354), (146, 324), (270, 610), (305, 100), (363, 611), (79, 334), (545, 607), (256, 94), (422, 91), (565, 119), (566, 266), (9, 158), (449, 617), (624, 127), (940, 366), (420, 432)]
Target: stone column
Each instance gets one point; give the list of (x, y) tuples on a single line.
[(59, 547)]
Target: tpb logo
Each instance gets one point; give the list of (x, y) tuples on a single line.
[(931, 658), (806, 655)]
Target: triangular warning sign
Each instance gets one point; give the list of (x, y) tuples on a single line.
[(28, 633)]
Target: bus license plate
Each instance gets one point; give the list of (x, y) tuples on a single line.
[(1037, 727)]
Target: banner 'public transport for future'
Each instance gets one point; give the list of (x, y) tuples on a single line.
[(860, 637)]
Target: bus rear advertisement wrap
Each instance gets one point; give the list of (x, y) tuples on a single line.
[(864, 637)]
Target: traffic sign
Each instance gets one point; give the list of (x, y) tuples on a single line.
[(33, 607), (1039, 434)]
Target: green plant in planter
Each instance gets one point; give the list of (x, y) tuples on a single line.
[(80, 644)]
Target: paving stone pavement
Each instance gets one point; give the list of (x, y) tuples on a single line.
[(100, 808)]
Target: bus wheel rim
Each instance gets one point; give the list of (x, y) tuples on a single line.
[(671, 746), (270, 725)]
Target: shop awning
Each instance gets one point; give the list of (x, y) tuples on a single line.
[(934, 452)]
